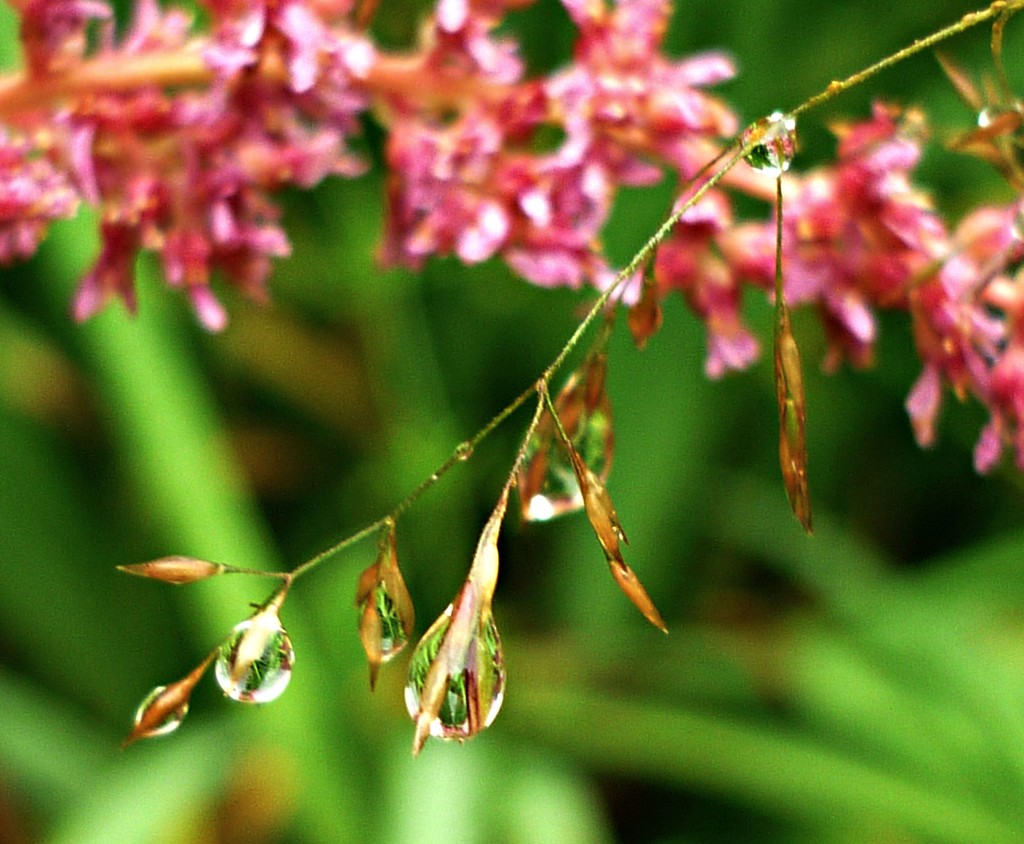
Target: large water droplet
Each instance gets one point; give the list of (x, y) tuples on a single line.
[(475, 689), (255, 662), (170, 721), (777, 145)]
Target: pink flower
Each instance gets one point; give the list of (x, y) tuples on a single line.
[(113, 274), (857, 234), (1006, 386), (54, 32), (32, 193), (442, 197), (623, 96), (691, 262), (1005, 393), (461, 43), (561, 202), (189, 174)]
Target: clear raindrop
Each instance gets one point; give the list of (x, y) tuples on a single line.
[(171, 721), (476, 687), (774, 152), (392, 632), (548, 480), (255, 662)]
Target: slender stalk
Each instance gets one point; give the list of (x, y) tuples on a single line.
[(740, 146), (178, 68), (406, 74), (464, 450), (280, 575), (971, 19), (391, 74)]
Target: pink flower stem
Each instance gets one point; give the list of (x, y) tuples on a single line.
[(22, 92), (391, 75)]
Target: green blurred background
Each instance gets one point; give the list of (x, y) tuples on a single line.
[(865, 685)]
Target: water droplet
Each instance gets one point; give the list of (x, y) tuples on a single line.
[(170, 721), (548, 471), (392, 631), (1000, 119), (163, 709), (776, 143), (540, 508), (386, 615), (255, 662), (547, 481), (476, 686), (1017, 226)]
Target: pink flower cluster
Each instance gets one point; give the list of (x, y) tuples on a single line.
[(181, 139), (859, 237), (472, 186), (182, 169)]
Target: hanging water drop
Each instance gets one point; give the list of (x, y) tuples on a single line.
[(386, 616), (475, 686), (987, 116), (255, 662), (457, 672), (775, 143), (163, 709), (1017, 226), (169, 720), (541, 508), (547, 479), (549, 486), (1000, 117), (393, 635)]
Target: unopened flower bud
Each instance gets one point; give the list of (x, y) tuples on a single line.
[(177, 570)]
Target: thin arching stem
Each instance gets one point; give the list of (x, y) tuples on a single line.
[(20, 91), (996, 9), (739, 147)]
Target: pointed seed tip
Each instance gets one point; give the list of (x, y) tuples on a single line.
[(419, 737), (656, 619)]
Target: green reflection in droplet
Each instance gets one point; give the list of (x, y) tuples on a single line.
[(255, 662), (777, 146), (170, 723), (475, 689)]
